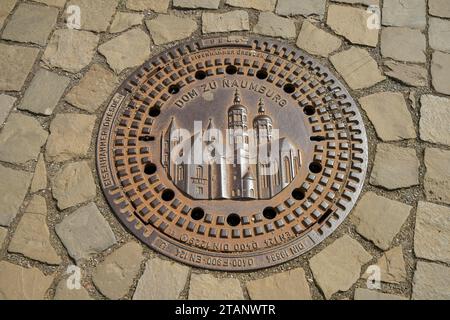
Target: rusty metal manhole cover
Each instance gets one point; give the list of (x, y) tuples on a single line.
[(232, 153)]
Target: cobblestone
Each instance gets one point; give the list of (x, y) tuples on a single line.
[(70, 50), (114, 276), (395, 167), (171, 279), (288, 285), (351, 23), (32, 236), (345, 257), (6, 104), (16, 63), (85, 232), (440, 72), (73, 184), (44, 92), (412, 75), (270, 24), (437, 176), (432, 233), (413, 46), (21, 139), (438, 34), (31, 23), (389, 115), (317, 41), (400, 13), (70, 136), (168, 28), (93, 89), (96, 15), (434, 120), (208, 287), (304, 8), (358, 68), (431, 282), (19, 283), (159, 6), (236, 20), (13, 188), (380, 219), (117, 54)]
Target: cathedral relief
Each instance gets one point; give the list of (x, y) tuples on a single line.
[(241, 173)]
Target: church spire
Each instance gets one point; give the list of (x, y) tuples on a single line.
[(237, 97), (261, 109)]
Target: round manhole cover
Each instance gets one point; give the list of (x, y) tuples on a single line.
[(232, 153)]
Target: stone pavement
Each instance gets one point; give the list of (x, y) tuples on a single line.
[(54, 83)]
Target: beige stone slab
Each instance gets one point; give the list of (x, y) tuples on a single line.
[(21, 139), (317, 41), (44, 92), (168, 28), (19, 283), (440, 72), (73, 184), (389, 114), (344, 257), (236, 20), (358, 68), (437, 176), (117, 53), (395, 167), (32, 236), (270, 24), (159, 6), (351, 23), (70, 50), (262, 5), (16, 63), (208, 287), (379, 219), (288, 285), (161, 280), (435, 119), (31, 24), (115, 275), (13, 188), (432, 232), (70, 136), (431, 282)]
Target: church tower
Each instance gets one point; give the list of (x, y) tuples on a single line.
[(263, 125), (238, 141)]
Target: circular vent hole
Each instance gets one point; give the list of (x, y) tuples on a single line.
[(150, 168), (174, 89), (315, 167), (289, 88), (298, 194), (269, 213), (262, 74), (154, 112), (197, 213), (200, 75), (233, 219), (231, 69), (309, 110), (168, 195)]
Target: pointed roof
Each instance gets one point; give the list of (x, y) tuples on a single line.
[(249, 175), (237, 103), (262, 112)]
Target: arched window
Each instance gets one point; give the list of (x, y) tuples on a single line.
[(287, 170), (180, 173), (199, 172), (295, 166)]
